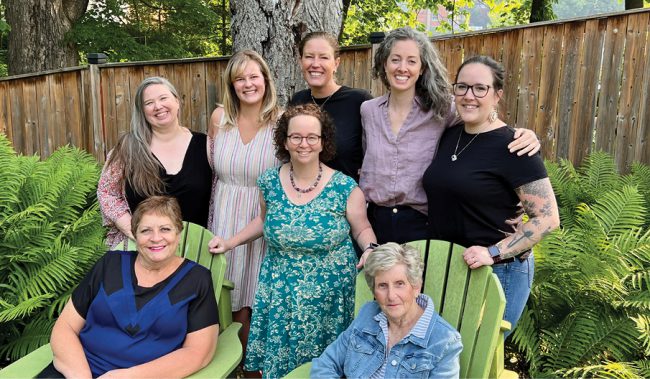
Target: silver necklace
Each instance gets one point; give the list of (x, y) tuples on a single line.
[(326, 100), (455, 155)]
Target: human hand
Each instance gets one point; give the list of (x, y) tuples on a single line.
[(477, 256), (364, 256), (525, 141), (218, 245)]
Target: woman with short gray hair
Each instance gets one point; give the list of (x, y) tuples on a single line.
[(397, 335)]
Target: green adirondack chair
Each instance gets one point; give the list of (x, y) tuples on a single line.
[(472, 301), (194, 246)]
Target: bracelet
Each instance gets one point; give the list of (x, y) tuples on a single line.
[(371, 245)]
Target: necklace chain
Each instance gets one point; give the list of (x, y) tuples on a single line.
[(324, 102), (310, 188), (455, 155)]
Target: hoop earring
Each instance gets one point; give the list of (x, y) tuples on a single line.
[(492, 117)]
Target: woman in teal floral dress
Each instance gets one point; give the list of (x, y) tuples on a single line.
[(305, 295)]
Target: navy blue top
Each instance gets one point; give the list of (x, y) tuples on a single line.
[(127, 325)]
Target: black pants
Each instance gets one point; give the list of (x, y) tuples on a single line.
[(399, 224), (50, 372)]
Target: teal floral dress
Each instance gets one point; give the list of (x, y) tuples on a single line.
[(305, 295)]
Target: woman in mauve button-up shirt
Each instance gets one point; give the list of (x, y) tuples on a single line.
[(401, 131)]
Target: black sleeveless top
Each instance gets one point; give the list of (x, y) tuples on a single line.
[(191, 186)]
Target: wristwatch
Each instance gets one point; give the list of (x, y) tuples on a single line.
[(495, 253), (371, 245)]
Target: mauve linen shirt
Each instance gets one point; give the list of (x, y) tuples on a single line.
[(393, 165)]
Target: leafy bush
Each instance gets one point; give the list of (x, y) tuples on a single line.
[(589, 310), (50, 235)]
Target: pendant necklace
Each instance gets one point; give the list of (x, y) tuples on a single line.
[(326, 100), (455, 155), (310, 188)]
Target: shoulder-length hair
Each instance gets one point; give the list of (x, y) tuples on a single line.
[(432, 87)]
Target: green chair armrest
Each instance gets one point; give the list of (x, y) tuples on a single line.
[(300, 372), (226, 357), (30, 365)]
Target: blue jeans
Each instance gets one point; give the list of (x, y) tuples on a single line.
[(516, 278)]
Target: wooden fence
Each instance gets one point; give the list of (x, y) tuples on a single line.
[(581, 84)]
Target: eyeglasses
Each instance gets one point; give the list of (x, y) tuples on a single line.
[(296, 139), (479, 90)]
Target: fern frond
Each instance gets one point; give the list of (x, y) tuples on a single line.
[(35, 334), (620, 211), (9, 312), (614, 370), (598, 174), (643, 326)]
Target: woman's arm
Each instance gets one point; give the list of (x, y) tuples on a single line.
[(525, 141), (540, 205), (113, 204), (251, 232), (357, 216), (215, 121), (197, 351), (69, 357)]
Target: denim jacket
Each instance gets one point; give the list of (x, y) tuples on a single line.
[(361, 350)]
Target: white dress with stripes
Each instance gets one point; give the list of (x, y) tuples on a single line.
[(236, 202)]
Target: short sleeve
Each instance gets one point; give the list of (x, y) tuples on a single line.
[(264, 181), (525, 170), (345, 185), (202, 311), (87, 290)]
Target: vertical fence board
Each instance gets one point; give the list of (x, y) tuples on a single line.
[(73, 122), (584, 116), (199, 98), (530, 78), (120, 101), (512, 41), (31, 142), (573, 36), (183, 83), (628, 107), (108, 101), (57, 93), (16, 105), (609, 87), (213, 86), (642, 148), (362, 66), (5, 113), (546, 122), (45, 129)]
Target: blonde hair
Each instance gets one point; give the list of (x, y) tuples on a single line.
[(270, 111)]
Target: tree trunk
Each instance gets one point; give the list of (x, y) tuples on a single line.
[(541, 10), (37, 36), (273, 29), (632, 4)]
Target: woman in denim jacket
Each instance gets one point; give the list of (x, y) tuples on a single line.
[(397, 336)]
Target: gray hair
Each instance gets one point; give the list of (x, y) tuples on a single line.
[(139, 166), (432, 87), (386, 256)]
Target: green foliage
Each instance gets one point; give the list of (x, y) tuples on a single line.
[(130, 30), (50, 235), (588, 311)]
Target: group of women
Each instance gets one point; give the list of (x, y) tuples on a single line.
[(429, 163)]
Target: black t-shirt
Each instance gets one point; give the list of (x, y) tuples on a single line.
[(107, 272), (344, 108), (191, 186), (470, 199)]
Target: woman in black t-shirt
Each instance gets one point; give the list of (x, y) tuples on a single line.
[(474, 185), (319, 60)]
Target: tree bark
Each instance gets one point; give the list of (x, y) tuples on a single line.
[(633, 4), (37, 37), (273, 29)]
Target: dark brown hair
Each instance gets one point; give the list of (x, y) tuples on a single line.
[(327, 132), (498, 72), (159, 205)]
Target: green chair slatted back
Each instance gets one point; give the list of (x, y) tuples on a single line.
[(194, 246), (472, 301)]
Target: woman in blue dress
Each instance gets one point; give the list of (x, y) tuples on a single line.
[(305, 295)]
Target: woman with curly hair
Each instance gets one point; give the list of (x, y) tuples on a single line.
[(305, 296)]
